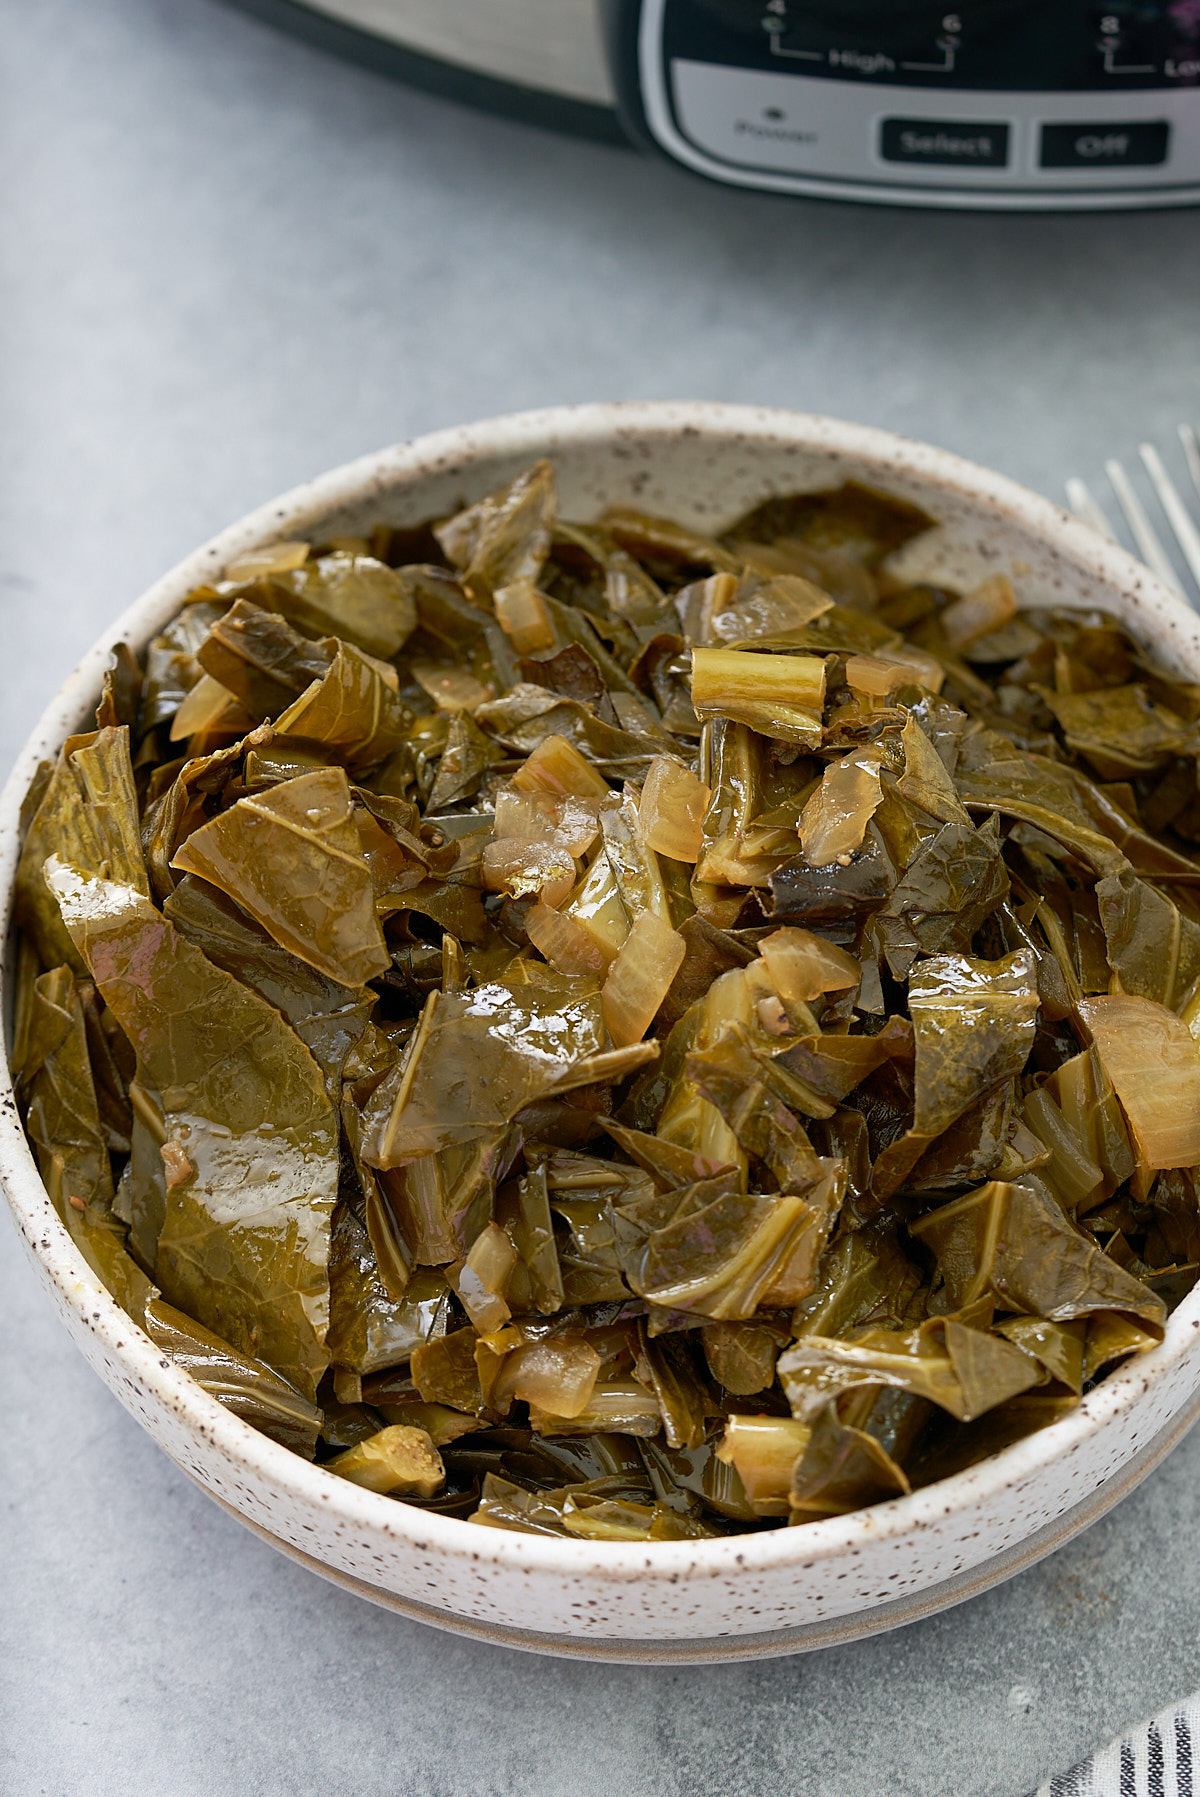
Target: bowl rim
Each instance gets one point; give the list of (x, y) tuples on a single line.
[(463, 448)]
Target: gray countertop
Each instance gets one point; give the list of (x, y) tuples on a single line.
[(227, 264)]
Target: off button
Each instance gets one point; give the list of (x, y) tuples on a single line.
[(1143, 145)]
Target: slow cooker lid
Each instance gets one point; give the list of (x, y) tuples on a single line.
[(542, 61)]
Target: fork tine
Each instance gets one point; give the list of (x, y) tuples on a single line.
[(1191, 450), (1186, 534), (1085, 508), (1144, 535)]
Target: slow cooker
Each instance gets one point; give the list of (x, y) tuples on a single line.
[(990, 103)]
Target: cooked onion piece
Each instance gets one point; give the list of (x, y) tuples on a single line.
[(523, 616), (557, 1376), (569, 823), (984, 609), (672, 809), (803, 966), (640, 977), (521, 867), (1149, 1055), (450, 688), (276, 558), (834, 820), (567, 945), (557, 767)]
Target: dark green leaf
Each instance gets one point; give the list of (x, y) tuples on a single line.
[(63, 1120), (1153, 949), (350, 596), (368, 1327), (1009, 1241), (88, 816), (842, 1469), (248, 1387), (952, 885), (291, 856), (328, 1017), (352, 709), (252, 1140), (973, 1024), (855, 519), (1120, 731), (259, 657), (480, 1057), (504, 537)]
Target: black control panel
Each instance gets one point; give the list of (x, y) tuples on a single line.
[(1014, 46), (1050, 104)]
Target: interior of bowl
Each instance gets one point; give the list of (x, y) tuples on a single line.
[(703, 465)]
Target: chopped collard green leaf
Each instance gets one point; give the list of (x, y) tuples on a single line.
[(612, 1032)]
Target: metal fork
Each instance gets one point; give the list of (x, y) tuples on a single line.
[(1149, 543)]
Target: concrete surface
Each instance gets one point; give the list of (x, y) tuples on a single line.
[(227, 264)]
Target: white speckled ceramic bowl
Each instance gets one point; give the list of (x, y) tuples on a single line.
[(708, 1600)]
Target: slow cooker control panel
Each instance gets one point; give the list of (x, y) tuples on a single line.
[(992, 102)]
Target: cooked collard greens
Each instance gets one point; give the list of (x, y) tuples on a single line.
[(606, 1031)]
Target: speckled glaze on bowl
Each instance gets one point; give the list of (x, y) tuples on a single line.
[(774, 1592)]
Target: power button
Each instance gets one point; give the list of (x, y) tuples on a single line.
[(1140, 145)]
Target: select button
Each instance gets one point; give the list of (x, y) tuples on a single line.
[(944, 142), (1142, 145)]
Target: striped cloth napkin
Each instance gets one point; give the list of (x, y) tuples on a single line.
[(1155, 1760)]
